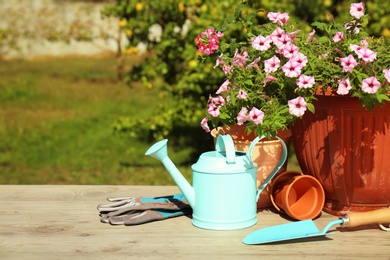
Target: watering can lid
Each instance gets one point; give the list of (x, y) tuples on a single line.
[(224, 158)]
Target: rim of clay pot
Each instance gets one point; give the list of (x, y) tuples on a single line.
[(277, 181), (237, 132), (310, 200)]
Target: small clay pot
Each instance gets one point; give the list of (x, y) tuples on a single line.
[(297, 195)]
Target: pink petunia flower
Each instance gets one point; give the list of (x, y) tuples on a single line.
[(218, 101), (387, 74), (226, 69), (305, 81), (213, 110), (283, 41), (364, 43), (279, 18), (354, 47), (348, 63), (242, 116), (357, 10), (293, 36), (300, 58), (370, 85), (219, 61), (292, 68), (261, 43), (290, 50), (284, 19), (242, 94), (268, 78), (254, 64), (366, 54), (273, 16), (311, 36), (256, 115), (276, 35), (272, 64), (204, 125), (297, 106), (339, 36), (223, 87), (239, 59), (344, 86)]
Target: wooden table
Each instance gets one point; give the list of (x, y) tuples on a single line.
[(62, 222)]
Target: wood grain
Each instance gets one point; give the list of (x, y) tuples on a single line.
[(62, 222)]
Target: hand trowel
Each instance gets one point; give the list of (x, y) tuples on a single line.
[(308, 229)]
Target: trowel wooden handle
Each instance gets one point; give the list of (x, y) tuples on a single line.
[(370, 217)]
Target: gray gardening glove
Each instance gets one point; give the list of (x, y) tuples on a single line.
[(134, 211)]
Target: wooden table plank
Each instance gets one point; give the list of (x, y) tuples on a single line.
[(62, 222)]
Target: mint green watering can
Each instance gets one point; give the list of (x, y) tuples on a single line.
[(224, 193)]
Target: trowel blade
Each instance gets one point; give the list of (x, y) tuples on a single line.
[(283, 232)]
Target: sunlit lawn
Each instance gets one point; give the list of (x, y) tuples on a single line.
[(55, 124)]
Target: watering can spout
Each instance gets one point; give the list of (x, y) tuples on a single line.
[(159, 151)]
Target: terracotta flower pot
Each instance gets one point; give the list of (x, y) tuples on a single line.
[(297, 195), (266, 154), (346, 148)]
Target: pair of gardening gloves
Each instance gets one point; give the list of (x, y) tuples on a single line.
[(138, 210)]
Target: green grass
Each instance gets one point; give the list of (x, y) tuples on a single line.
[(55, 125)]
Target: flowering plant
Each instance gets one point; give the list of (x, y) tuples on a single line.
[(272, 77)]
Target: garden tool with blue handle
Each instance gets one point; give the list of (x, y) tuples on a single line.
[(134, 211)]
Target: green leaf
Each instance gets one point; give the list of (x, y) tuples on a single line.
[(284, 110), (319, 25), (382, 97), (221, 28), (249, 82), (232, 45), (311, 107), (238, 10), (364, 20), (230, 21), (323, 39), (223, 116)]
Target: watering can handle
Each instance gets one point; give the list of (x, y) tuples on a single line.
[(254, 142), (276, 169), (225, 142)]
